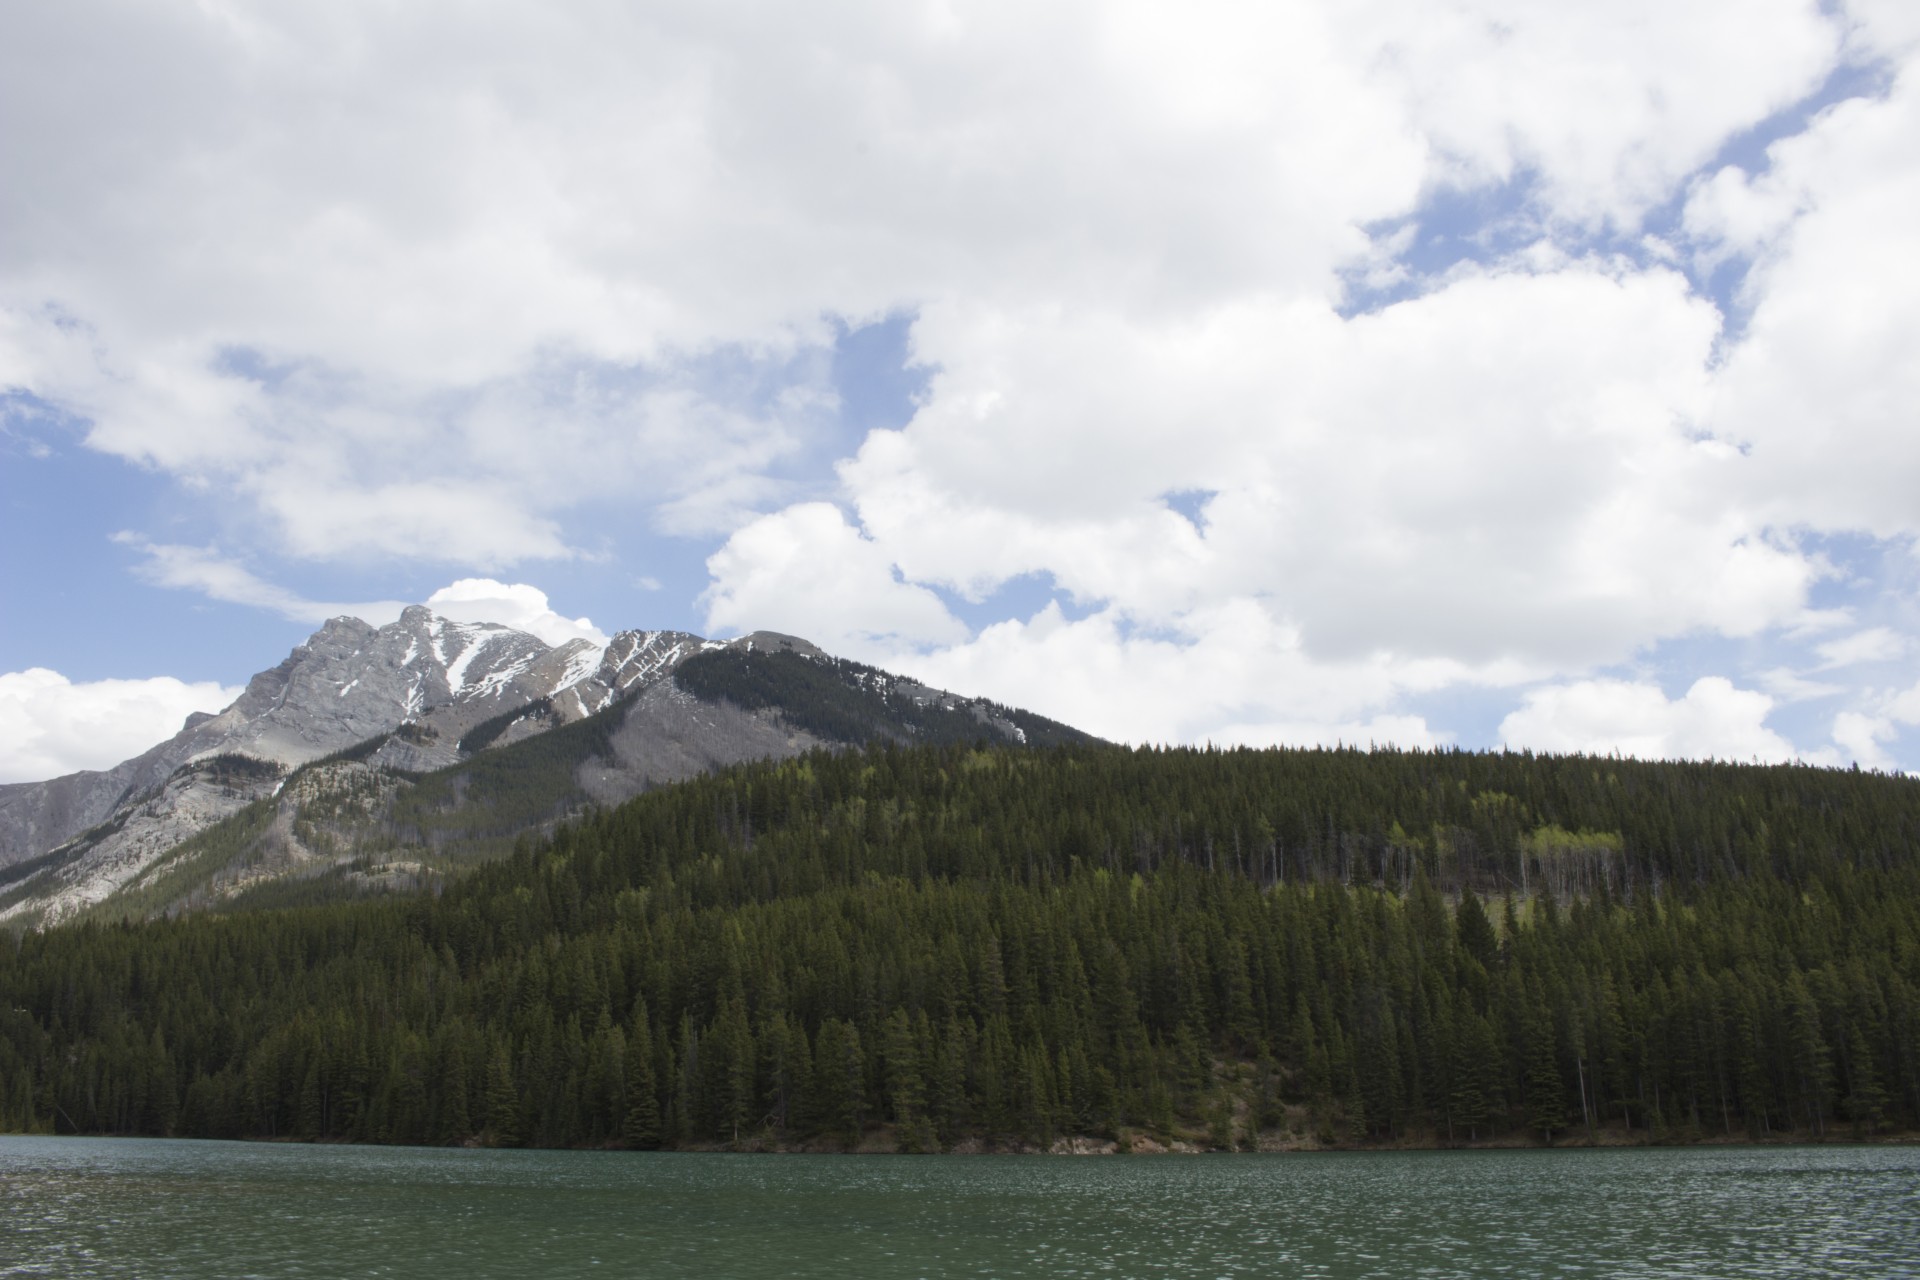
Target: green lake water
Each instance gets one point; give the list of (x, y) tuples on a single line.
[(105, 1207)]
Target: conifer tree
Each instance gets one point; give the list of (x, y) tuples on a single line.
[(1546, 1088), (840, 1080), (906, 1084), (640, 1127), (503, 1099), (1866, 1098)]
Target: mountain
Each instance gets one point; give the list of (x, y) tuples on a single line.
[(348, 682), (389, 754)]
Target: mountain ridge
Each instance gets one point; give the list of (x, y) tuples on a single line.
[(426, 694)]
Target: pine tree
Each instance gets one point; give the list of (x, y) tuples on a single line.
[(1474, 1052), (1866, 1098), (731, 1053), (641, 1126), (1474, 930), (1812, 1063), (163, 1097), (1546, 1088), (906, 1084), (1353, 1103), (840, 1080), (1268, 1111), (948, 1099), (503, 1099), (309, 1126)]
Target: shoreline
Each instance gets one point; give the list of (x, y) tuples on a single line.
[(881, 1142)]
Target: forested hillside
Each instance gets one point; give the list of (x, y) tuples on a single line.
[(925, 946)]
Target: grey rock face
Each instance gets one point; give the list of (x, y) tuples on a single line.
[(347, 683), (668, 735), (110, 856), (419, 694)]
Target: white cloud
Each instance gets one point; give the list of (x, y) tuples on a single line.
[(203, 569), (218, 577), (1813, 622), (392, 287), (1859, 737), (1607, 106), (1875, 644), (1820, 387), (1506, 468), (50, 725), (1882, 28), (1905, 707), (1789, 686), (406, 293), (1602, 717), (808, 572), (1862, 734), (512, 604), (1230, 673)]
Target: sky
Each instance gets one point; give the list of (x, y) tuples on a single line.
[(1370, 371)]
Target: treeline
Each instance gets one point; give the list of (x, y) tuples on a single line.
[(937, 945)]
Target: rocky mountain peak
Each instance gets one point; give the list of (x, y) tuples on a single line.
[(776, 642), (349, 682), (425, 697)]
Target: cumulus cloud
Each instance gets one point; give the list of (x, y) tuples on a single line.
[(808, 572), (1859, 738), (1905, 706), (50, 725), (1864, 734), (424, 296), (1605, 106), (1600, 717), (406, 295), (1504, 468), (1819, 388), (512, 604), (1231, 673)]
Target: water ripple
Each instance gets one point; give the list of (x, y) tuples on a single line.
[(127, 1208)]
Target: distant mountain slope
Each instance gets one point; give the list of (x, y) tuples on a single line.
[(841, 701), (347, 683), (379, 757)]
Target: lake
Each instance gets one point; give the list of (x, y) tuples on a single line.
[(127, 1207)]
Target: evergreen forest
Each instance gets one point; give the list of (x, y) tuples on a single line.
[(952, 945)]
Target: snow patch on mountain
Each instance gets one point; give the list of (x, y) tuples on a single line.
[(584, 663), (494, 683)]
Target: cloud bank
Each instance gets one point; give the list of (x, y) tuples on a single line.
[(1324, 357), (50, 725)]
